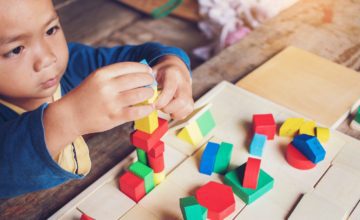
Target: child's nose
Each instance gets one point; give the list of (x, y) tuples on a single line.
[(45, 58)]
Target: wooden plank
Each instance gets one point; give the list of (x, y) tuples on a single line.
[(88, 21), (307, 84)]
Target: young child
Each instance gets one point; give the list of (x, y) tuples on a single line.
[(52, 93)]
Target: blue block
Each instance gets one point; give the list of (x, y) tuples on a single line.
[(143, 61), (310, 147), (208, 158), (257, 144)]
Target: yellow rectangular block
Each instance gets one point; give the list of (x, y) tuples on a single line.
[(191, 134), (290, 127), (148, 124), (159, 177), (153, 98), (323, 134), (308, 128)]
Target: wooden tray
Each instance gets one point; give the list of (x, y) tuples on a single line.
[(232, 108)]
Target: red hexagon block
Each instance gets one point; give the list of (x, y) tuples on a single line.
[(85, 217), (217, 198)]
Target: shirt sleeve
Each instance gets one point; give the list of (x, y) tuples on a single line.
[(83, 60), (25, 163)]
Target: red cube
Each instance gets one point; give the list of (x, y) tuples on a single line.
[(157, 163), (132, 186), (264, 124)]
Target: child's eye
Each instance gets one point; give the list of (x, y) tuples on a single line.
[(14, 52), (52, 30)]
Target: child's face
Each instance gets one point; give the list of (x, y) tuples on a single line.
[(33, 50)]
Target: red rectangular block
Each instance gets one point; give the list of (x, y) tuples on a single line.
[(146, 141), (158, 149), (132, 186), (264, 124), (157, 163), (251, 173)]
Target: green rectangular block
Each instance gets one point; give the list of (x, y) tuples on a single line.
[(145, 173), (234, 179), (357, 117), (141, 155), (191, 209), (223, 158), (206, 123)]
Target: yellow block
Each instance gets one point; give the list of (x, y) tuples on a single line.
[(159, 177), (191, 134), (148, 124), (323, 134), (290, 127), (153, 98), (308, 128)]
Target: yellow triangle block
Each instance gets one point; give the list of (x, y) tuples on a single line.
[(191, 134), (323, 134), (159, 177), (308, 128), (148, 124), (290, 127)]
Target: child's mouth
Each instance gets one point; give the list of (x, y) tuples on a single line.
[(50, 83)]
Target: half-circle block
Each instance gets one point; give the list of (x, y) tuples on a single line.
[(251, 173), (297, 160)]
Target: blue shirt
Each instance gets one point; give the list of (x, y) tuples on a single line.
[(25, 163)]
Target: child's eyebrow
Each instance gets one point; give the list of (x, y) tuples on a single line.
[(7, 40)]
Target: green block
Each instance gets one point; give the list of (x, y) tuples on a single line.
[(191, 209), (141, 155), (234, 179), (223, 158), (145, 173), (206, 123), (357, 117)]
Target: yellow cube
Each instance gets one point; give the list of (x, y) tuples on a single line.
[(290, 127), (323, 134), (191, 134), (308, 128)]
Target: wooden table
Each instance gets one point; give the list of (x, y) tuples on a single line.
[(305, 25)]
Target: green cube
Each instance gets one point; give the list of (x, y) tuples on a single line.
[(223, 158), (234, 179), (357, 117), (191, 209), (145, 173), (206, 123), (141, 155)]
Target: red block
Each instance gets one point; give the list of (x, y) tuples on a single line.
[(158, 149), (132, 186), (85, 217), (297, 160), (251, 173), (147, 141), (157, 163), (217, 198), (264, 124)]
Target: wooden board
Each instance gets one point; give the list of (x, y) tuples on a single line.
[(234, 127), (307, 84)]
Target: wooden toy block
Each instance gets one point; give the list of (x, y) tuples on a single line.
[(191, 134), (308, 127), (223, 158), (148, 124), (147, 141), (206, 123), (234, 179), (310, 147), (290, 127), (157, 163), (264, 124), (85, 217), (159, 177), (217, 198), (191, 209), (323, 134), (257, 144), (132, 186), (158, 149), (145, 173), (141, 155), (208, 158), (297, 160), (355, 123), (357, 116), (251, 173)]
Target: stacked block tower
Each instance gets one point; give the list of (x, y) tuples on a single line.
[(148, 171)]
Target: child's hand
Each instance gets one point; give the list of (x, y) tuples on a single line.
[(174, 79)]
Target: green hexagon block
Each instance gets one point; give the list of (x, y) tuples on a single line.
[(234, 179)]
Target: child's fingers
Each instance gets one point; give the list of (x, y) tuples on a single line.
[(135, 112), (182, 113), (178, 105), (135, 96), (122, 68), (132, 81), (167, 93)]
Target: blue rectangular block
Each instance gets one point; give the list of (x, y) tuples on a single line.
[(310, 147), (208, 158), (257, 144)]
